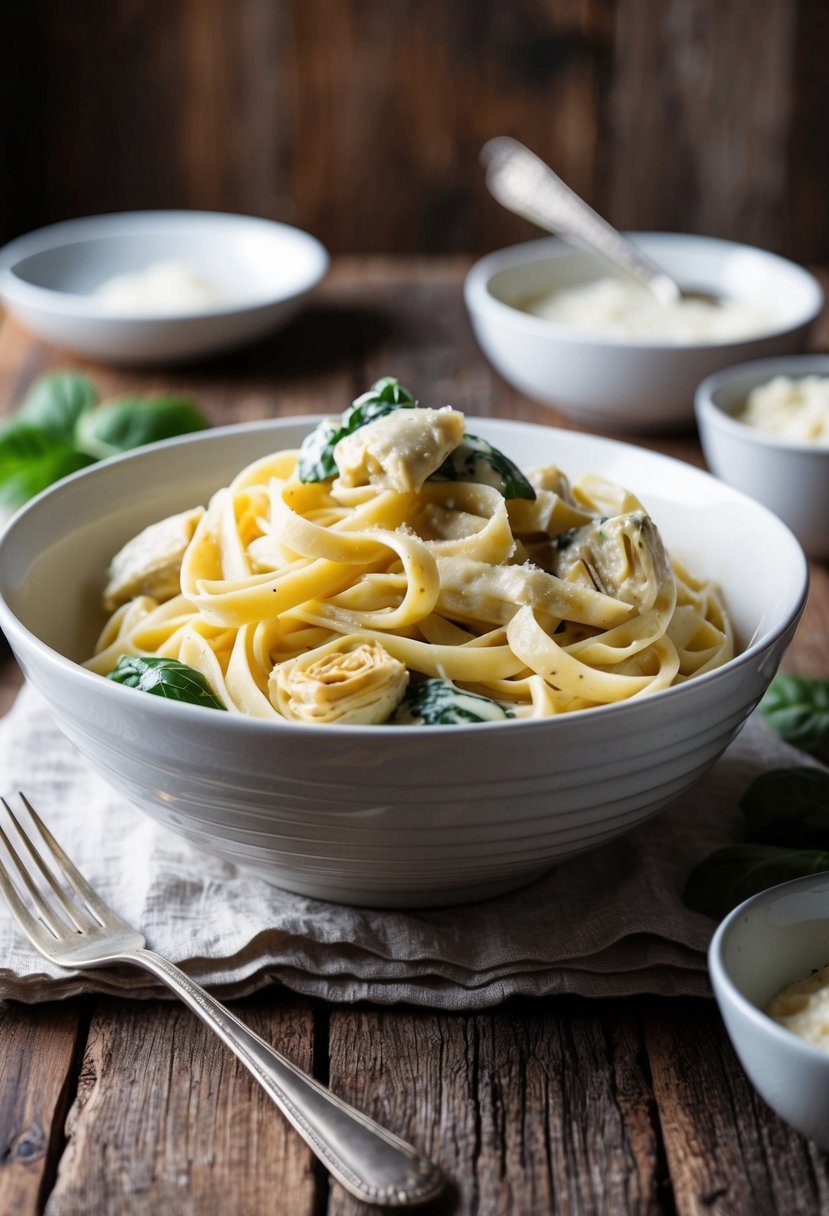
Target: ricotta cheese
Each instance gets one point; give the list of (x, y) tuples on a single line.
[(791, 409), (803, 1008)]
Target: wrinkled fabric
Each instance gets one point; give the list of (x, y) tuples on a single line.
[(607, 923)]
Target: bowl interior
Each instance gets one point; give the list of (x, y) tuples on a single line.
[(778, 937), (57, 548), (247, 260), (740, 272)]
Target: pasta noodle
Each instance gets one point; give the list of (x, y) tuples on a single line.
[(336, 599)]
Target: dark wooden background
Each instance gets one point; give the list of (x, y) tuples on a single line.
[(362, 119)]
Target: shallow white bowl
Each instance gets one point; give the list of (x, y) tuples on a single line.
[(387, 815), (790, 478), (615, 382), (263, 268), (767, 942)]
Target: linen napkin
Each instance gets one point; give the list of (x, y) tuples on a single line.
[(606, 923)]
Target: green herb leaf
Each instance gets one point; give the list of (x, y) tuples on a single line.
[(788, 806), (165, 678), (55, 403), (476, 460), (727, 877), (797, 709), (316, 455), (130, 422), (441, 703), (30, 460)]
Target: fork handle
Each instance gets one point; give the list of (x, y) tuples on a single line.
[(370, 1162)]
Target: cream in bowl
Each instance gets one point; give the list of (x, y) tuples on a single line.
[(766, 964), (379, 813), (608, 357), (762, 426), (615, 307), (158, 286), (161, 288)]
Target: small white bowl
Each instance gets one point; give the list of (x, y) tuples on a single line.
[(768, 942), (390, 815), (792, 479), (262, 269), (617, 382)]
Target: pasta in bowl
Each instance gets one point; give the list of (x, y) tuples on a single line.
[(405, 812), (398, 570)]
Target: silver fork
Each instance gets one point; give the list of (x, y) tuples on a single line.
[(70, 924)]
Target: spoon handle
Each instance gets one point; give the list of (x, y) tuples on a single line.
[(524, 184)]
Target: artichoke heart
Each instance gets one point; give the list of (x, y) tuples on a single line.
[(624, 556), (351, 680), (399, 450), (150, 563)]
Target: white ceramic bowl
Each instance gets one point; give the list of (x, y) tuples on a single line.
[(615, 382), (263, 270), (790, 478), (767, 942), (386, 815)]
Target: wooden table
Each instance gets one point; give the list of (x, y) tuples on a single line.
[(637, 1106)]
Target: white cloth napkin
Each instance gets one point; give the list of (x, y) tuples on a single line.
[(607, 923)]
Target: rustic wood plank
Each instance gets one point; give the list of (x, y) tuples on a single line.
[(529, 1110), (38, 1062), (363, 121), (166, 1121), (728, 1154)]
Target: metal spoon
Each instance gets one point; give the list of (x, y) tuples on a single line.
[(524, 184)]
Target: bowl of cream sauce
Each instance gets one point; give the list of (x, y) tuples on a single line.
[(568, 333)]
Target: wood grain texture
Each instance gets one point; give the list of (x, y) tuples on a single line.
[(363, 120), (517, 1105), (728, 1154), (38, 1065), (166, 1121)]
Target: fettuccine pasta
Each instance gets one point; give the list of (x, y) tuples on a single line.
[(416, 577)]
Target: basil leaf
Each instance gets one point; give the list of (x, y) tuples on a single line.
[(55, 403), (30, 460), (441, 703), (727, 877), (797, 709), (130, 422), (165, 678), (788, 806), (316, 455), (476, 460)]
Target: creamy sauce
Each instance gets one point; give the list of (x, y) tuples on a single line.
[(803, 1008), (792, 409), (613, 308), (162, 287)]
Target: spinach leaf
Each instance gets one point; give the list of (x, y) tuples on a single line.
[(55, 403), (797, 709), (30, 460), (788, 806), (130, 422), (476, 460), (165, 678), (441, 703), (727, 877), (316, 455)]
